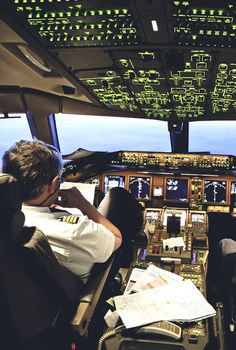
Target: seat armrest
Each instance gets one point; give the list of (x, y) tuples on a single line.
[(90, 296)]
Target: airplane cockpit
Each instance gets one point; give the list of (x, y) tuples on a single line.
[(138, 94)]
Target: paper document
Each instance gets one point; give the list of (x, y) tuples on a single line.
[(87, 190), (136, 274), (180, 301), (154, 277)]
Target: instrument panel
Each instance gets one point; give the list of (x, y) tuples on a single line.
[(160, 190), (176, 207), (175, 161)]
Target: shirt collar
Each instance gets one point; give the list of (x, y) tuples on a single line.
[(36, 209)]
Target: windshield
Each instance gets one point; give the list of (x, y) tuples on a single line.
[(217, 137), (99, 133)]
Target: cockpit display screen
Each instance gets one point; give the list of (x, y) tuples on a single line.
[(111, 181), (140, 186), (196, 217), (215, 191), (176, 190)]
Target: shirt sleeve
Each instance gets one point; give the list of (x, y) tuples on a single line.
[(95, 239), (76, 246), (84, 242)]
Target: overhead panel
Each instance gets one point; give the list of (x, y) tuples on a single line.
[(142, 81), (206, 23), (164, 59), (129, 22), (80, 23)]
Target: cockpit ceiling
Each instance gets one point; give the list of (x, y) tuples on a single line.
[(160, 59)]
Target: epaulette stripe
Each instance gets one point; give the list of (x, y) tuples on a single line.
[(70, 219)]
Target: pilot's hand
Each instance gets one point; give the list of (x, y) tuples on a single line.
[(70, 198)]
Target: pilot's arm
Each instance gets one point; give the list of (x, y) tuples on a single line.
[(72, 198)]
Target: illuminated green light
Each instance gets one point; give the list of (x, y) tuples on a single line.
[(203, 11), (212, 11), (220, 12), (194, 37), (194, 11)]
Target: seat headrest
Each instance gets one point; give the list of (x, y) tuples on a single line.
[(11, 217), (9, 193)]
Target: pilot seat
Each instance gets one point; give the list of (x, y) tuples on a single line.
[(43, 305)]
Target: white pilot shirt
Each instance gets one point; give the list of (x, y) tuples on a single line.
[(76, 246)]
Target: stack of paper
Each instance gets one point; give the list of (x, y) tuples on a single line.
[(172, 300), (154, 277)]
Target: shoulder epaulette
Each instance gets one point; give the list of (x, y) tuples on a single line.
[(70, 219)]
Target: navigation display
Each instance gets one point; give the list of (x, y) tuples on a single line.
[(140, 186), (214, 191), (111, 181), (176, 190)]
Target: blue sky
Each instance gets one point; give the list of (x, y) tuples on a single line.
[(219, 137), (111, 134)]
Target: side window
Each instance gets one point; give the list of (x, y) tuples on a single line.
[(13, 128)]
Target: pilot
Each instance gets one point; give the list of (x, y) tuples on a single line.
[(89, 239)]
